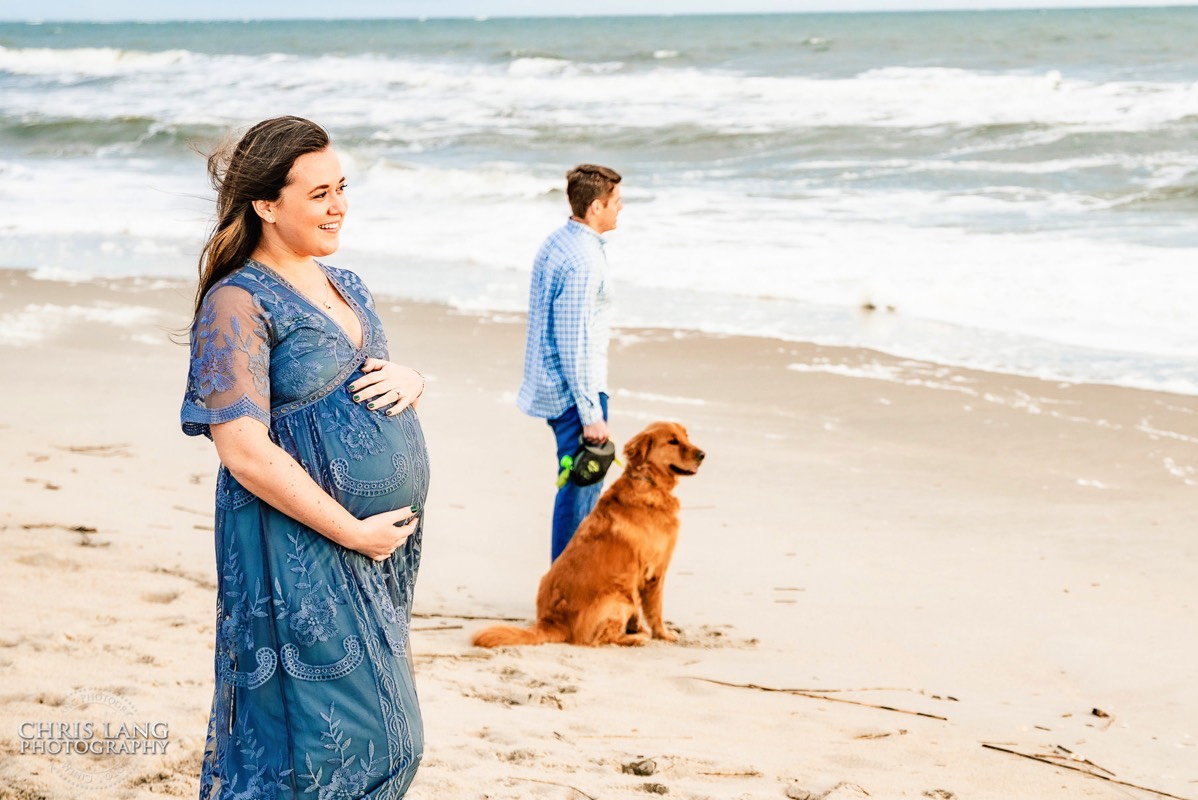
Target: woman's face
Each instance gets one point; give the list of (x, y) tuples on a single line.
[(310, 209)]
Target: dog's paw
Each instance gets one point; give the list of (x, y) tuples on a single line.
[(633, 639), (666, 635)]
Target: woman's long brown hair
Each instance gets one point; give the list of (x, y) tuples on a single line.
[(256, 168)]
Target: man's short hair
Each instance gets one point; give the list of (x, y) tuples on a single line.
[(587, 183)]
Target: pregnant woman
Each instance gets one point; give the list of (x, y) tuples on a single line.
[(323, 475)]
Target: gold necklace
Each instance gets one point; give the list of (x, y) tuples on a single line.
[(295, 286), (327, 293)]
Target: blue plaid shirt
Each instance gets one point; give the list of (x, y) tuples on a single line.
[(569, 325)]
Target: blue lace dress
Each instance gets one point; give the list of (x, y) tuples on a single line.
[(314, 691)]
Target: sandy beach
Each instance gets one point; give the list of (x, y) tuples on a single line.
[(946, 568)]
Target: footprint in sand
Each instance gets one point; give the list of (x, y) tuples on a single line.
[(45, 560), (712, 637), (515, 687), (199, 580), (174, 777), (160, 597)]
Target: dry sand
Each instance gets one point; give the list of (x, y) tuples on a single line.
[(1015, 560)]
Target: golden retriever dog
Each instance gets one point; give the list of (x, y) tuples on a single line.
[(606, 586)]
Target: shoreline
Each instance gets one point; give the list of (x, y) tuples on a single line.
[(1003, 552), (835, 356)]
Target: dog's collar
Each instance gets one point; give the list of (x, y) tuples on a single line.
[(644, 478)]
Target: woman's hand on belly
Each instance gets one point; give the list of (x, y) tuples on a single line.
[(378, 537), (384, 383)]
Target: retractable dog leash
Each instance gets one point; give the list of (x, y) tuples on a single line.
[(589, 464)]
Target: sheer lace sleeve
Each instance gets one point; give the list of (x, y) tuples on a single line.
[(230, 362)]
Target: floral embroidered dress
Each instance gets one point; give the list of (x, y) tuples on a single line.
[(314, 691)]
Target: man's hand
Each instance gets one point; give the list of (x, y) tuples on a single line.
[(595, 433)]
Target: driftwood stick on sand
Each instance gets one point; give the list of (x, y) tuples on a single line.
[(35, 526), (98, 450), (1052, 763), (636, 736), (471, 617), (555, 783), (438, 628), (815, 696), (746, 774), (1071, 756), (457, 656), (947, 697)]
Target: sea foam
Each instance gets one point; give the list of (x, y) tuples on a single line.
[(1016, 203)]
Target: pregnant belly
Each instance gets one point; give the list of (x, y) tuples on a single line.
[(378, 463)]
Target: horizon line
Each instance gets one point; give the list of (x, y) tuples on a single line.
[(1082, 5)]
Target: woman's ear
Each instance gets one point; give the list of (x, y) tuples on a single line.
[(263, 210)]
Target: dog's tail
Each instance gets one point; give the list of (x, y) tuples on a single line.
[(505, 635)]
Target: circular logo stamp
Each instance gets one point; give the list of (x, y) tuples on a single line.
[(82, 766), (95, 739)]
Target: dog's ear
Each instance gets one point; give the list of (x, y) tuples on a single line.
[(636, 449)]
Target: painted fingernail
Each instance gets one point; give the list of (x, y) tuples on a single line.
[(351, 389), (357, 397), (370, 405), (415, 508)]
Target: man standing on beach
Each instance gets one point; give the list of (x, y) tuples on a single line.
[(569, 325)]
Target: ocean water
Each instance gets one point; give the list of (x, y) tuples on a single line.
[(1016, 191)]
